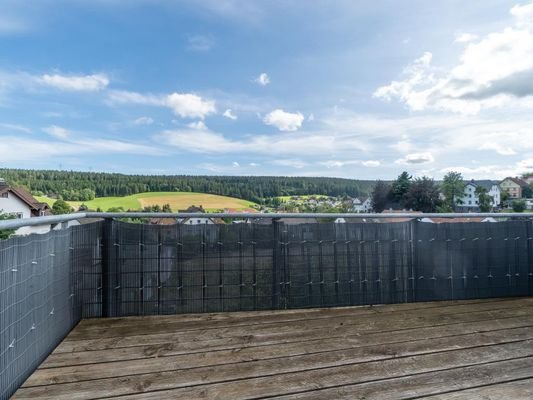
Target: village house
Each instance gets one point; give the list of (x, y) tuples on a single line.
[(19, 202), (362, 205), (197, 220), (470, 199), (513, 186)]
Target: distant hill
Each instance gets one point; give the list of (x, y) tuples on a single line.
[(252, 188)]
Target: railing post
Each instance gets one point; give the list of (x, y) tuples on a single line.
[(107, 251), (276, 238), (414, 273)]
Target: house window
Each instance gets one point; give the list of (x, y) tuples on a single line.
[(20, 215), (5, 195)]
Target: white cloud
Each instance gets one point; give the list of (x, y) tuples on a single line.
[(337, 163), (498, 148), (525, 165), (343, 163), (144, 121), (15, 127), (346, 139), (16, 149), (185, 105), (312, 144), (199, 43), (199, 141), (87, 83), (199, 125), (229, 114), (263, 79), (188, 105), (284, 121), (292, 163), (235, 164), (416, 158), (493, 171), (252, 164), (493, 72), (57, 132), (523, 14), (465, 37), (126, 97)]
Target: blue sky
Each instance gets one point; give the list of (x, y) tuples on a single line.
[(313, 88)]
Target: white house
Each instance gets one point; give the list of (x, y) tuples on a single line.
[(22, 204), (470, 200), (196, 220), (362, 204)]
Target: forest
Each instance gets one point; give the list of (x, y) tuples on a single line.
[(75, 185)]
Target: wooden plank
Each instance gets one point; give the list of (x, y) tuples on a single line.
[(213, 339), (422, 386), (287, 375), (515, 390), (325, 354), (176, 325), (267, 316), (346, 339)]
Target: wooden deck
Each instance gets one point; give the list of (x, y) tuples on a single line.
[(480, 349)]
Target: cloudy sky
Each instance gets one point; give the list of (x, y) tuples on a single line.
[(314, 88)]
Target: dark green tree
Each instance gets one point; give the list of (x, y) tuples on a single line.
[(381, 196), (519, 206), (452, 188), (527, 191), (115, 209), (400, 187), (485, 200), (6, 233), (81, 186), (504, 198), (61, 207), (423, 195)]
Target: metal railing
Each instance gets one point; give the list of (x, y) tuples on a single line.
[(55, 219), (49, 282)]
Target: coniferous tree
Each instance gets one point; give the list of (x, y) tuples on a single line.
[(400, 187)]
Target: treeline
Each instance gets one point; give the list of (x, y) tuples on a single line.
[(70, 194), (253, 188)]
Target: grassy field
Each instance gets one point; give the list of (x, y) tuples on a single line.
[(177, 201)]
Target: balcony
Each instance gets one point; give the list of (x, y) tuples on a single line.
[(314, 310)]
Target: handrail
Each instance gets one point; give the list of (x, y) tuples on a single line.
[(55, 219), (36, 221)]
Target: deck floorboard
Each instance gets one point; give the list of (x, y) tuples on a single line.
[(474, 349)]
